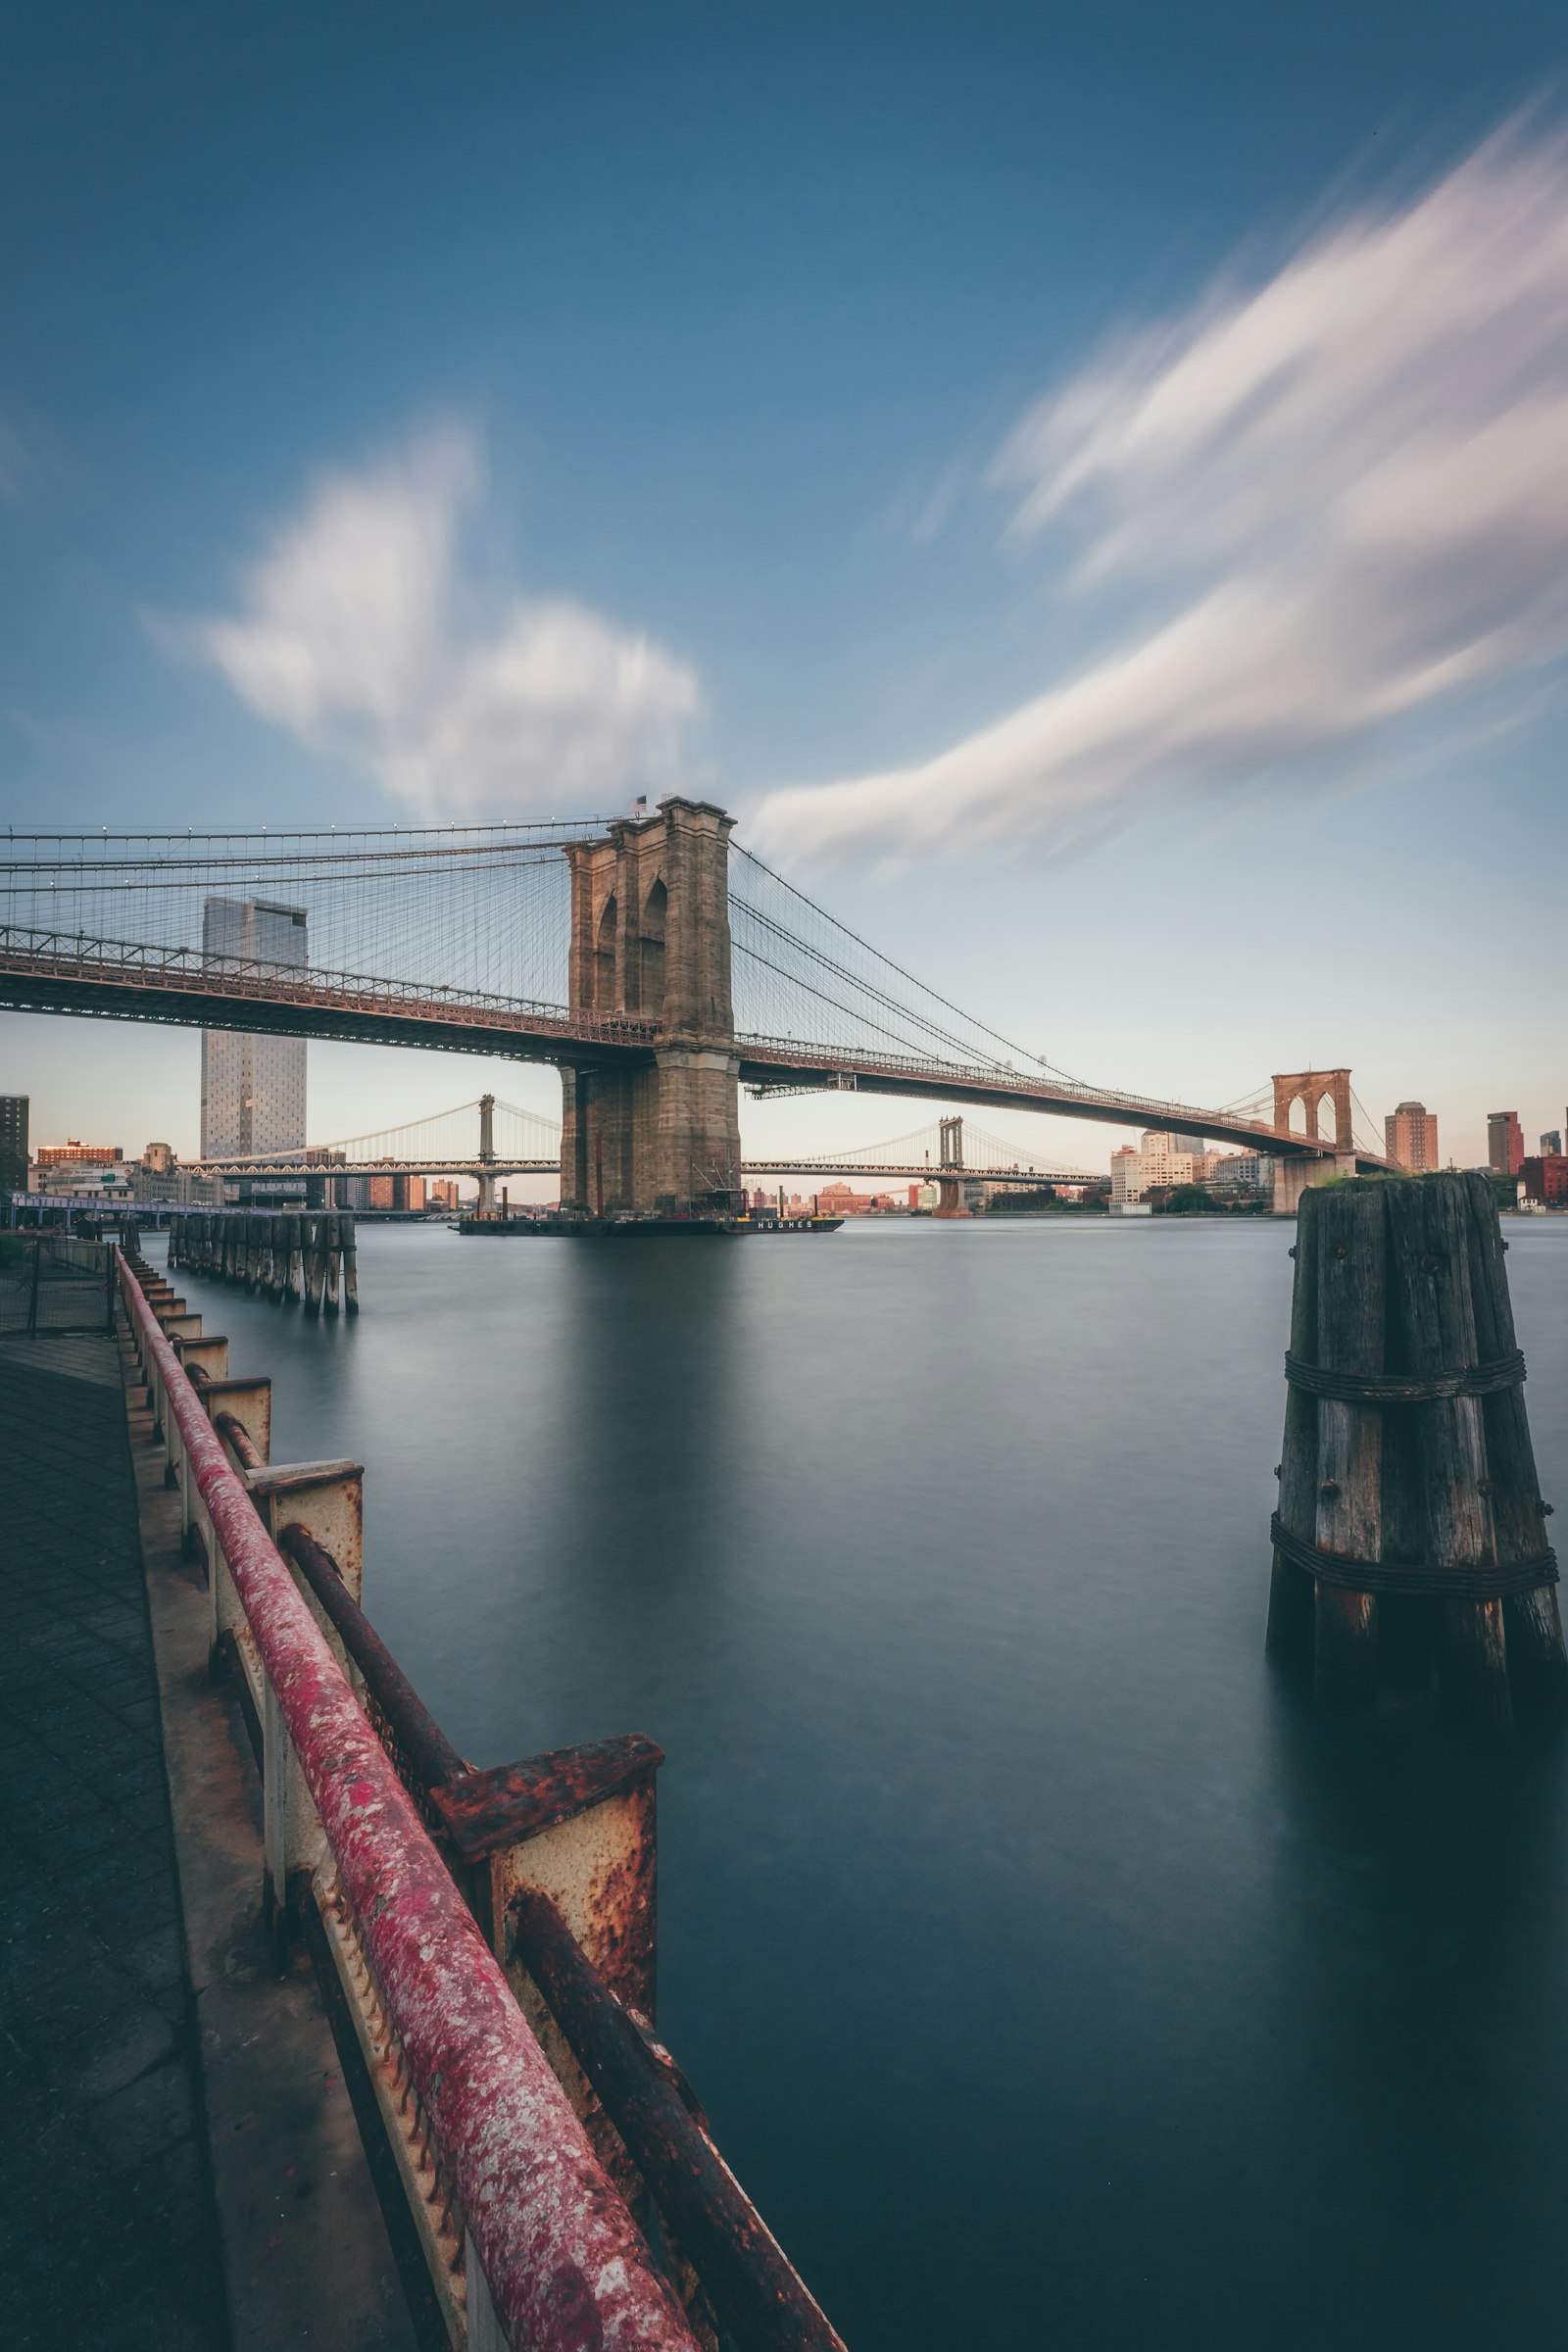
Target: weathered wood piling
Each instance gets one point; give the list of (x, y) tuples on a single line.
[(1410, 1533), (283, 1258)]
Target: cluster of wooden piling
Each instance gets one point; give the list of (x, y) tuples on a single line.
[(309, 1257), (1410, 1534)]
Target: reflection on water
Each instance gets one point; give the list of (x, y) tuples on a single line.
[(1050, 1974)]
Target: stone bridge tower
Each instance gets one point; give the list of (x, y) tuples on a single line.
[(650, 936), (1314, 1090)]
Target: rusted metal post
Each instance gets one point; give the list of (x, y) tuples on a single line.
[(756, 2297)]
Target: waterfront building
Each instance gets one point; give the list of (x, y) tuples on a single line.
[(253, 1088), (175, 1186), (73, 1155), (1544, 1179), (1156, 1166), (1410, 1138), (842, 1200), (84, 1171), (13, 1143), (1552, 1144), (159, 1160), (1505, 1143), (1240, 1172), (443, 1193), (396, 1190)]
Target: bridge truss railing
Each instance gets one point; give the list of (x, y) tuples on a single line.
[(488, 1935), (1184, 1117), (76, 956)]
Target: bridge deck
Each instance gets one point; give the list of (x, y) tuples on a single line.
[(58, 972)]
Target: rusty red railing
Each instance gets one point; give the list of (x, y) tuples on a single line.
[(562, 2259)]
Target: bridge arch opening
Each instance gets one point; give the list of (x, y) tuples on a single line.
[(605, 958), (651, 951), (1315, 1103)]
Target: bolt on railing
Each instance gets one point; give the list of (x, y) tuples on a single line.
[(554, 1857)]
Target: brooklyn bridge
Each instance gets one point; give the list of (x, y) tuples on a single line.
[(653, 961)]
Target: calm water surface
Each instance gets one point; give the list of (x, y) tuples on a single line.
[(1050, 1975)]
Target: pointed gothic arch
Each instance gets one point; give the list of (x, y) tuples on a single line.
[(651, 950), (606, 993)]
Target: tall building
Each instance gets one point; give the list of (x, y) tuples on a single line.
[(14, 1142), (1552, 1144), (1505, 1143), (1410, 1138), (253, 1088)]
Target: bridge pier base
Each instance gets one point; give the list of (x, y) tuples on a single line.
[(1294, 1176)]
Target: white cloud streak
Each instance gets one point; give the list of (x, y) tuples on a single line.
[(359, 634), (1350, 489)]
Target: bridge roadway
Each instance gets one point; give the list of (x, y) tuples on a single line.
[(915, 1172), (43, 971)]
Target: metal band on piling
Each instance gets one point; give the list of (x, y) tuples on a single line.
[(1484, 1581), (1397, 1388)]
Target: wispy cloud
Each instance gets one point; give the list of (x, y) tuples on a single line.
[(1348, 489), (358, 632)]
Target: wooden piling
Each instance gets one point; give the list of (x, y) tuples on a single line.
[(351, 1267), (333, 1261), (314, 1264), (1408, 1499), (1347, 1506), (1292, 1589)]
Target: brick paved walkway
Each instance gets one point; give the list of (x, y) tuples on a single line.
[(108, 2236)]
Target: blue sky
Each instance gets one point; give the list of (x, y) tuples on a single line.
[(1086, 486)]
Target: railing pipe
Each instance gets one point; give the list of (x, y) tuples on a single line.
[(564, 2263), (430, 1753), (757, 2298), (231, 1427)]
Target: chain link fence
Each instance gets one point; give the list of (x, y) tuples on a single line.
[(55, 1282)]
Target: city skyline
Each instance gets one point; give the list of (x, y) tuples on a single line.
[(972, 522)]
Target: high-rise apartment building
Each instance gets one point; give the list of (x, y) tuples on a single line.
[(1505, 1143), (1410, 1138), (1552, 1144), (253, 1088), (14, 1142)]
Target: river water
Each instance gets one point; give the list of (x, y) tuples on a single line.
[(1050, 1975)]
